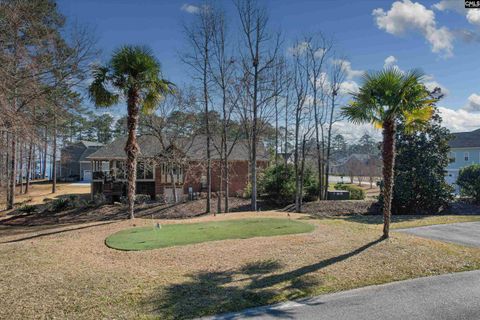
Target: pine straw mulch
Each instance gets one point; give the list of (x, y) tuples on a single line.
[(119, 212), (68, 273)]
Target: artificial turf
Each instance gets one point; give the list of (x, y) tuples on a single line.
[(146, 238)]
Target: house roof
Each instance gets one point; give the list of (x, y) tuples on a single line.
[(79, 150), (88, 151), (89, 144), (194, 149), (466, 139)]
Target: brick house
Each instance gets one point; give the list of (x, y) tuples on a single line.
[(154, 176)]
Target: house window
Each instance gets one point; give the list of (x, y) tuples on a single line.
[(144, 171), (177, 173), (452, 157), (165, 173), (466, 156), (120, 170)]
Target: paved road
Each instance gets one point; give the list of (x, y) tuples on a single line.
[(445, 297), (465, 233)]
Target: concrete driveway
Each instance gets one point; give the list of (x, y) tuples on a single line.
[(445, 297), (465, 233)]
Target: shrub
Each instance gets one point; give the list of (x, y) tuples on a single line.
[(247, 192), (69, 202), (278, 183), (60, 204), (99, 199), (27, 208), (469, 182), (420, 186), (142, 198), (356, 193)]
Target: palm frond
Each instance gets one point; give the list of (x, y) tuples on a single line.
[(417, 119), (98, 92)]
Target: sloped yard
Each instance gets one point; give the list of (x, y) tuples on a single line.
[(68, 272)]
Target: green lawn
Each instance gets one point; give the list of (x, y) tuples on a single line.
[(146, 238)]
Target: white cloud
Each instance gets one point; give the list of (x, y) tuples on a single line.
[(299, 48), (459, 120), (319, 53), (455, 120), (190, 8), (348, 87), (430, 82), (473, 104), (390, 61), (473, 16), (350, 73), (445, 5), (352, 132), (406, 16)]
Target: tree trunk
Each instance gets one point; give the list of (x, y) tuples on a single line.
[(207, 123), (7, 166), (302, 173), (131, 149), (329, 143), (54, 155), (286, 138), (227, 188), (20, 167), (277, 177), (174, 188), (220, 185), (296, 159), (388, 153), (45, 149), (29, 166), (13, 173), (253, 165), (319, 154)]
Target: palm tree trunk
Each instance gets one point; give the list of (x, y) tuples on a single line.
[(388, 153), (131, 149)]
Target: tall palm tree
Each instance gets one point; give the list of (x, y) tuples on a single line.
[(133, 75), (385, 98)]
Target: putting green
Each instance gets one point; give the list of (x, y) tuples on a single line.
[(145, 238)]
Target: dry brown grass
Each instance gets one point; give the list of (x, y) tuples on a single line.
[(39, 191), (68, 272)]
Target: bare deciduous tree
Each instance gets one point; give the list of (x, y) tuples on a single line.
[(258, 59)]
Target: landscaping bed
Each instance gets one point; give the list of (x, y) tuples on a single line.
[(339, 207), (118, 211)]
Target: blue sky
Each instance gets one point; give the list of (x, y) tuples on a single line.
[(440, 37)]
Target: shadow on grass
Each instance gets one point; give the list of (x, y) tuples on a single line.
[(251, 285), (55, 232)]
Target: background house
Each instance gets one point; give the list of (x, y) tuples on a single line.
[(464, 151), (358, 165), (74, 165), (155, 167)]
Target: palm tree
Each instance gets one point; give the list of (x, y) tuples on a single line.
[(133, 74), (385, 98)]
